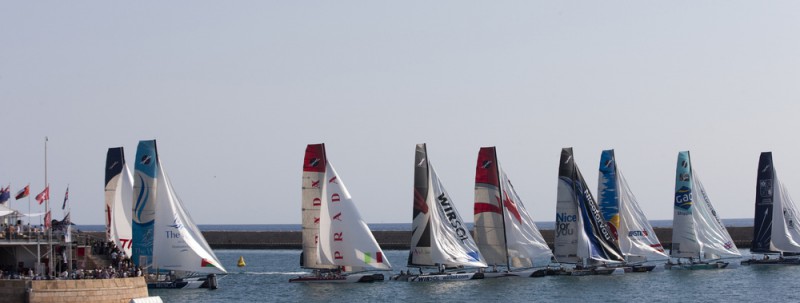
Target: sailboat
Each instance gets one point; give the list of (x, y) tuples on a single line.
[(165, 238), (504, 231), (118, 200), (632, 232), (337, 244), (699, 239), (582, 236), (439, 237), (775, 226)]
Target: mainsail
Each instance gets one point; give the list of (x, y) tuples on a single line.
[(633, 233), (344, 238), (504, 231), (118, 200), (776, 229), (439, 235), (179, 245), (314, 165), (144, 193), (581, 231), (697, 231)]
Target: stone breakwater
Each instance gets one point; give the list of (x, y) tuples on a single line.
[(742, 236)]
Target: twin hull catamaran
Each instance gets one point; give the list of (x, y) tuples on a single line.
[(504, 231), (699, 239), (775, 227), (165, 239), (439, 238), (632, 233), (582, 236), (337, 244)]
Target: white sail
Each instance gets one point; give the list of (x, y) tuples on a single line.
[(178, 243), (121, 212), (569, 226), (525, 243), (711, 233), (785, 227), (344, 238), (637, 239), (314, 165), (451, 242)]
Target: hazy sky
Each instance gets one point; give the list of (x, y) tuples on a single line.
[(233, 92)]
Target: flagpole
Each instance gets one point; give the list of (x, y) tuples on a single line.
[(47, 209)]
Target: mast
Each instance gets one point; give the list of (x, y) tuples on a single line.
[(47, 210), (502, 208)]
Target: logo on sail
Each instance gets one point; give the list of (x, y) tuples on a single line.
[(683, 198)]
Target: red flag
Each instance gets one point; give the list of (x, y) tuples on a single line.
[(44, 195), (47, 219), (22, 193)]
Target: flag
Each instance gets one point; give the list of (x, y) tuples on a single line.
[(66, 197), (44, 195), (5, 194), (68, 234), (47, 219), (22, 193)]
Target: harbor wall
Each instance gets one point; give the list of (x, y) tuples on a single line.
[(120, 290), (742, 236)]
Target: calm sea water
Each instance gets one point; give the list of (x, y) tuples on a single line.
[(265, 279), (390, 226)]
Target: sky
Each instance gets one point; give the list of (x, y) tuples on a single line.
[(234, 91)]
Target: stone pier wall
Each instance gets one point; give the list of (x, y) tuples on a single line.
[(742, 236), (88, 291)]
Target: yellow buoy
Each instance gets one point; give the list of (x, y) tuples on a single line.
[(241, 262)]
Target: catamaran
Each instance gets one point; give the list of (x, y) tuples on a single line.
[(337, 244), (439, 237), (632, 233), (504, 231), (165, 239), (582, 235), (775, 230), (118, 200), (699, 239)]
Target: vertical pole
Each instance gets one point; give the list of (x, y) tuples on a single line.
[(46, 210)]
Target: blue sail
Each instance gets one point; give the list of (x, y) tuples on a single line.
[(608, 191), (144, 197)]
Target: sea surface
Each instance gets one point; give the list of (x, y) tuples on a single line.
[(390, 226), (265, 279)]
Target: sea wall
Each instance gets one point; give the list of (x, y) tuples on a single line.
[(742, 236), (90, 291)]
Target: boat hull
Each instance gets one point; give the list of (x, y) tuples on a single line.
[(792, 261), (185, 283), (696, 266), (642, 268), (351, 278), (439, 277), (515, 273), (596, 271)]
